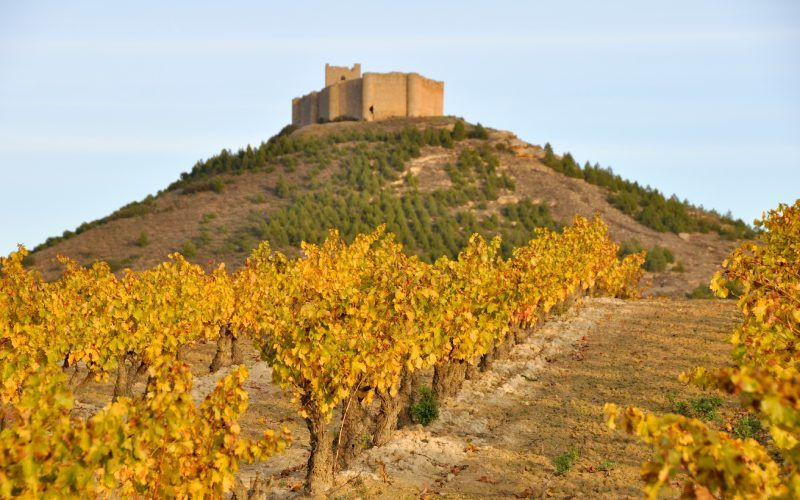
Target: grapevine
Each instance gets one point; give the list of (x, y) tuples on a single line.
[(765, 377)]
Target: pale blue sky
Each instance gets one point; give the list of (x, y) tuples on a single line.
[(103, 103)]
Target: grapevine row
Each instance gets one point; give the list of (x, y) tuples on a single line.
[(346, 329), (765, 376)]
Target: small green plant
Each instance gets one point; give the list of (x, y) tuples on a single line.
[(701, 292), (478, 132), (426, 409), (142, 240), (657, 259), (217, 185), (607, 465), (214, 184), (679, 268), (117, 265), (281, 188), (564, 462), (189, 249), (682, 408), (628, 247), (703, 408), (747, 427), (734, 287), (459, 130), (208, 217)]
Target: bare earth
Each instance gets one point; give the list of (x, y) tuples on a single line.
[(498, 436)]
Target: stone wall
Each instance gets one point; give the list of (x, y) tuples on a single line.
[(425, 96), (305, 109), (342, 99), (384, 95)]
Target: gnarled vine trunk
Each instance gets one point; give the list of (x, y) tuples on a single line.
[(447, 378), (127, 374), (390, 408), (319, 473), (237, 353), (355, 433), (222, 357)]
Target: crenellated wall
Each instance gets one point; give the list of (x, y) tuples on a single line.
[(336, 74), (373, 96)]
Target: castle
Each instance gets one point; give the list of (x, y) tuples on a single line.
[(372, 96)]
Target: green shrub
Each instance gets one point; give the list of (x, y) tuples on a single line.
[(459, 130), (747, 427), (564, 462), (657, 259), (703, 408), (606, 465), (647, 205), (701, 292), (189, 249), (117, 265), (425, 409), (411, 180), (734, 287), (682, 408), (215, 184), (281, 188), (478, 132), (142, 240), (629, 246), (287, 130), (678, 268)]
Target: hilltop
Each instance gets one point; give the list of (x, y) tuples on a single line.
[(433, 181)]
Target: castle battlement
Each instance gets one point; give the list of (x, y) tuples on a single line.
[(371, 96)]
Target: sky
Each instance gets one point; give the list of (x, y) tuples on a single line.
[(103, 103)]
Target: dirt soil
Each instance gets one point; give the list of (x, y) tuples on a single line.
[(498, 436)]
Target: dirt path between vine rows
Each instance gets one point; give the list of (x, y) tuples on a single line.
[(498, 437)]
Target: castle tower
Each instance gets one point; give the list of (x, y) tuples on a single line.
[(335, 74)]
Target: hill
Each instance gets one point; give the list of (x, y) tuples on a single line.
[(433, 181)]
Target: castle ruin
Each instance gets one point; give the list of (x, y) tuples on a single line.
[(372, 96)]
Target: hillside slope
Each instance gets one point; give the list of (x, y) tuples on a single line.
[(431, 183)]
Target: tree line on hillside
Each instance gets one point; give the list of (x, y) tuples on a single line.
[(647, 205)]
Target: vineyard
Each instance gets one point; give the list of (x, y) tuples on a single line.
[(765, 376), (345, 329)]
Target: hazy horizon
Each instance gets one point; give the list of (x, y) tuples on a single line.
[(101, 104)]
